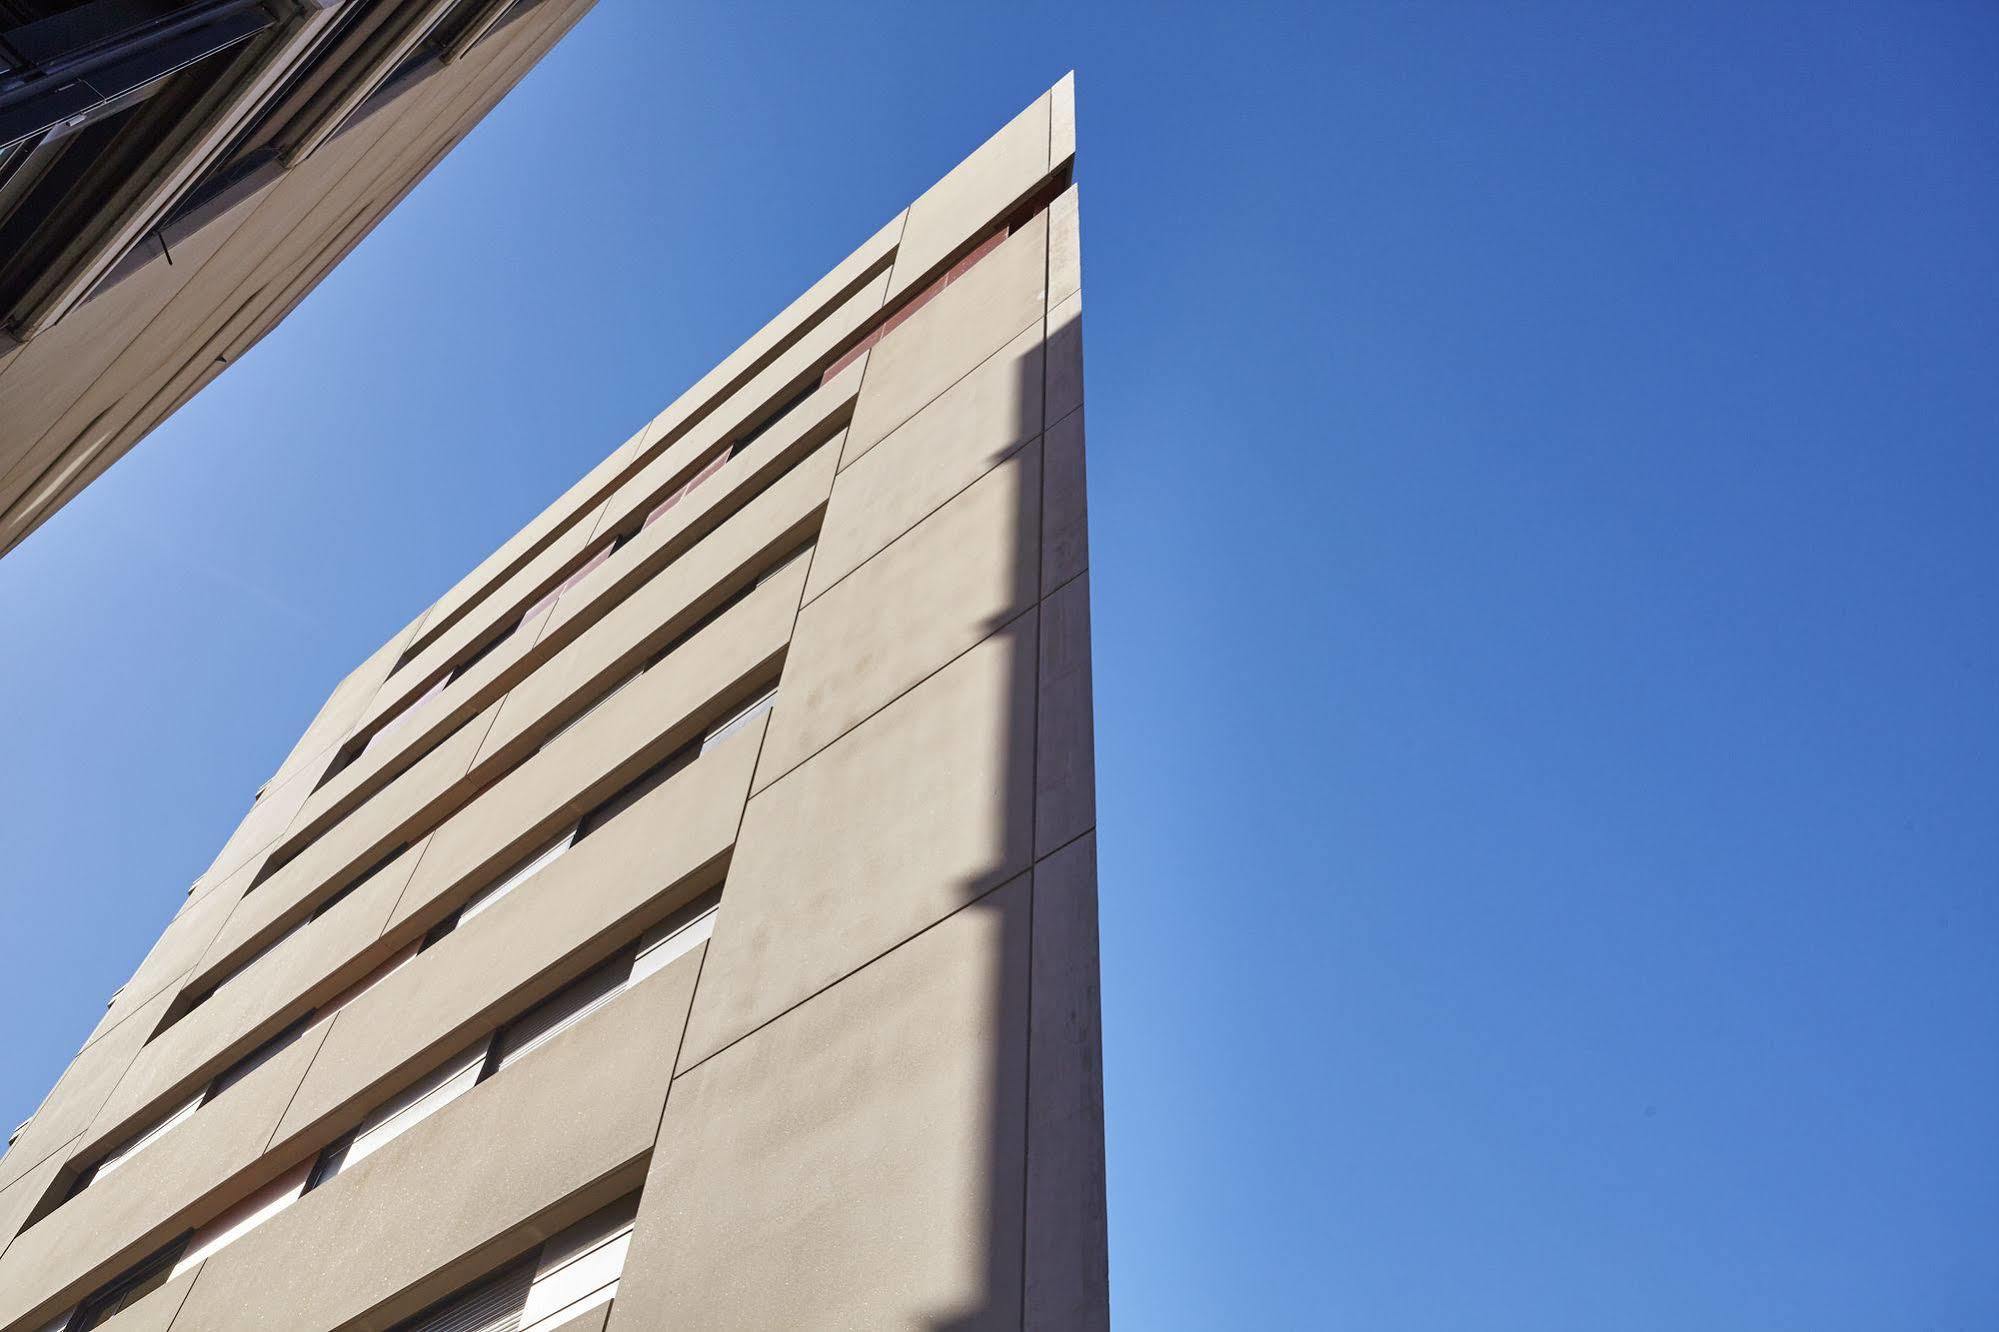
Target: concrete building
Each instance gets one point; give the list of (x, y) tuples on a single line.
[(176, 175), (690, 920)]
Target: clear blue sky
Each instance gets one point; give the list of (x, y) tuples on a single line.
[(1544, 489)]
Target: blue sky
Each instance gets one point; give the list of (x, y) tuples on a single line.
[(1543, 484)]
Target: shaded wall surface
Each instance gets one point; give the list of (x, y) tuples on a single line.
[(789, 700), (200, 289)]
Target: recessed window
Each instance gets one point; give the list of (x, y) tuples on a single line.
[(244, 1217), (402, 1112), (260, 1056), (736, 721), (486, 649), (559, 1012), (573, 1272), (708, 469), (118, 1156), (519, 875), (783, 409), (676, 936), (635, 790), (126, 1289)]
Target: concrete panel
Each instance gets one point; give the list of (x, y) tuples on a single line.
[(1068, 1262), (273, 812), (659, 611), (1065, 357), (114, 1013), (514, 596), (335, 719), (800, 429), (53, 411), (313, 964), (956, 577), (350, 698), (1065, 509), (899, 823), (18, 1199), (189, 1175), (426, 724), (181, 945), (407, 807), (1062, 121), (774, 462), (562, 517), (570, 775), (38, 387), (1065, 247), (211, 323), (833, 292), (518, 663), (937, 453), (1065, 776), (81, 1091), (938, 345), (511, 1162), (786, 458), (280, 245), (635, 870), (235, 883), (858, 1162), (977, 193), (830, 293), (158, 375), (155, 1311)]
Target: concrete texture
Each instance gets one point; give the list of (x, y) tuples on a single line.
[(788, 461), (968, 321), (273, 811), (942, 449), (178, 1181), (81, 1091), (180, 946), (858, 273), (598, 896), (1068, 1251), (311, 965), (888, 1110), (623, 637), (509, 1163), (154, 1312), (784, 464), (1065, 358), (1065, 777), (502, 608), (1065, 247), (407, 808), (1065, 509), (84, 391), (916, 812), (857, 1163), (804, 425), (19, 1199), (940, 588), (978, 192), (660, 711)]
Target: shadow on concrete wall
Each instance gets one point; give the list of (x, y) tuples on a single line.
[(1046, 1258)]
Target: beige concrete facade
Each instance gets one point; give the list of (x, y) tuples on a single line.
[(78, 394), (558, 911)]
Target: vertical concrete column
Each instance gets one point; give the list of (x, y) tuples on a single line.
[(888, 1109)]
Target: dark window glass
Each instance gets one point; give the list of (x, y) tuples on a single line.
[(129, 1287), (258, 1057)]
